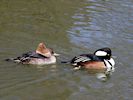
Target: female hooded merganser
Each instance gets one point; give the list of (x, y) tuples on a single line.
[(100, 60), (42, 55)]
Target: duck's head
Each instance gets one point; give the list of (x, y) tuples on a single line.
[(105, 53), (43, 50)]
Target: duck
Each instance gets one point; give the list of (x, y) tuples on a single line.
[(42, 55), (101, 59)]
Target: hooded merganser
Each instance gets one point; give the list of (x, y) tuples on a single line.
[(100, 60), (42, 55)]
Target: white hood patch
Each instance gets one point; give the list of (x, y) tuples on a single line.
[(101, 53)]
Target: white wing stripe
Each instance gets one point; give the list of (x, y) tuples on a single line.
[(82, 59)]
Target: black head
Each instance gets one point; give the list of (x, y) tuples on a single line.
[(104, 53)]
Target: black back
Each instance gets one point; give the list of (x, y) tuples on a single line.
[(85, 58)]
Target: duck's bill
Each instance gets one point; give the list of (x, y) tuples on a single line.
[(56, 54)]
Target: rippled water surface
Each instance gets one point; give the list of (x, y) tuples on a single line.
[(70, 27)]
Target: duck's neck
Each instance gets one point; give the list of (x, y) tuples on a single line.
[(109, 64)]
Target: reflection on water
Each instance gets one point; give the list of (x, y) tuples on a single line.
[(70, 28), (99, 21)]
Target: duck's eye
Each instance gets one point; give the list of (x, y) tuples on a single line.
[(108, 54), (52, 52)]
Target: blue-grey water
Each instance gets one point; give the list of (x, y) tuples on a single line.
[(70, 27)]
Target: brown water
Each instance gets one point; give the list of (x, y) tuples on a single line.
[(70, 27)]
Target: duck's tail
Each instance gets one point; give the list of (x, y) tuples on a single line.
[(9, 59), (66, 62), (12, 60)]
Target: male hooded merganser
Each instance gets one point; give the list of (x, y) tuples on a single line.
[(100, 60), (42, 55)]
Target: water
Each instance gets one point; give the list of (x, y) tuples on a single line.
[(70, 28)]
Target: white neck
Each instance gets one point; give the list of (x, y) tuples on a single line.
[(110, 65)]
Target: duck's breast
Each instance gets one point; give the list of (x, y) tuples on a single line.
[(94, 65), (40, 61)]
